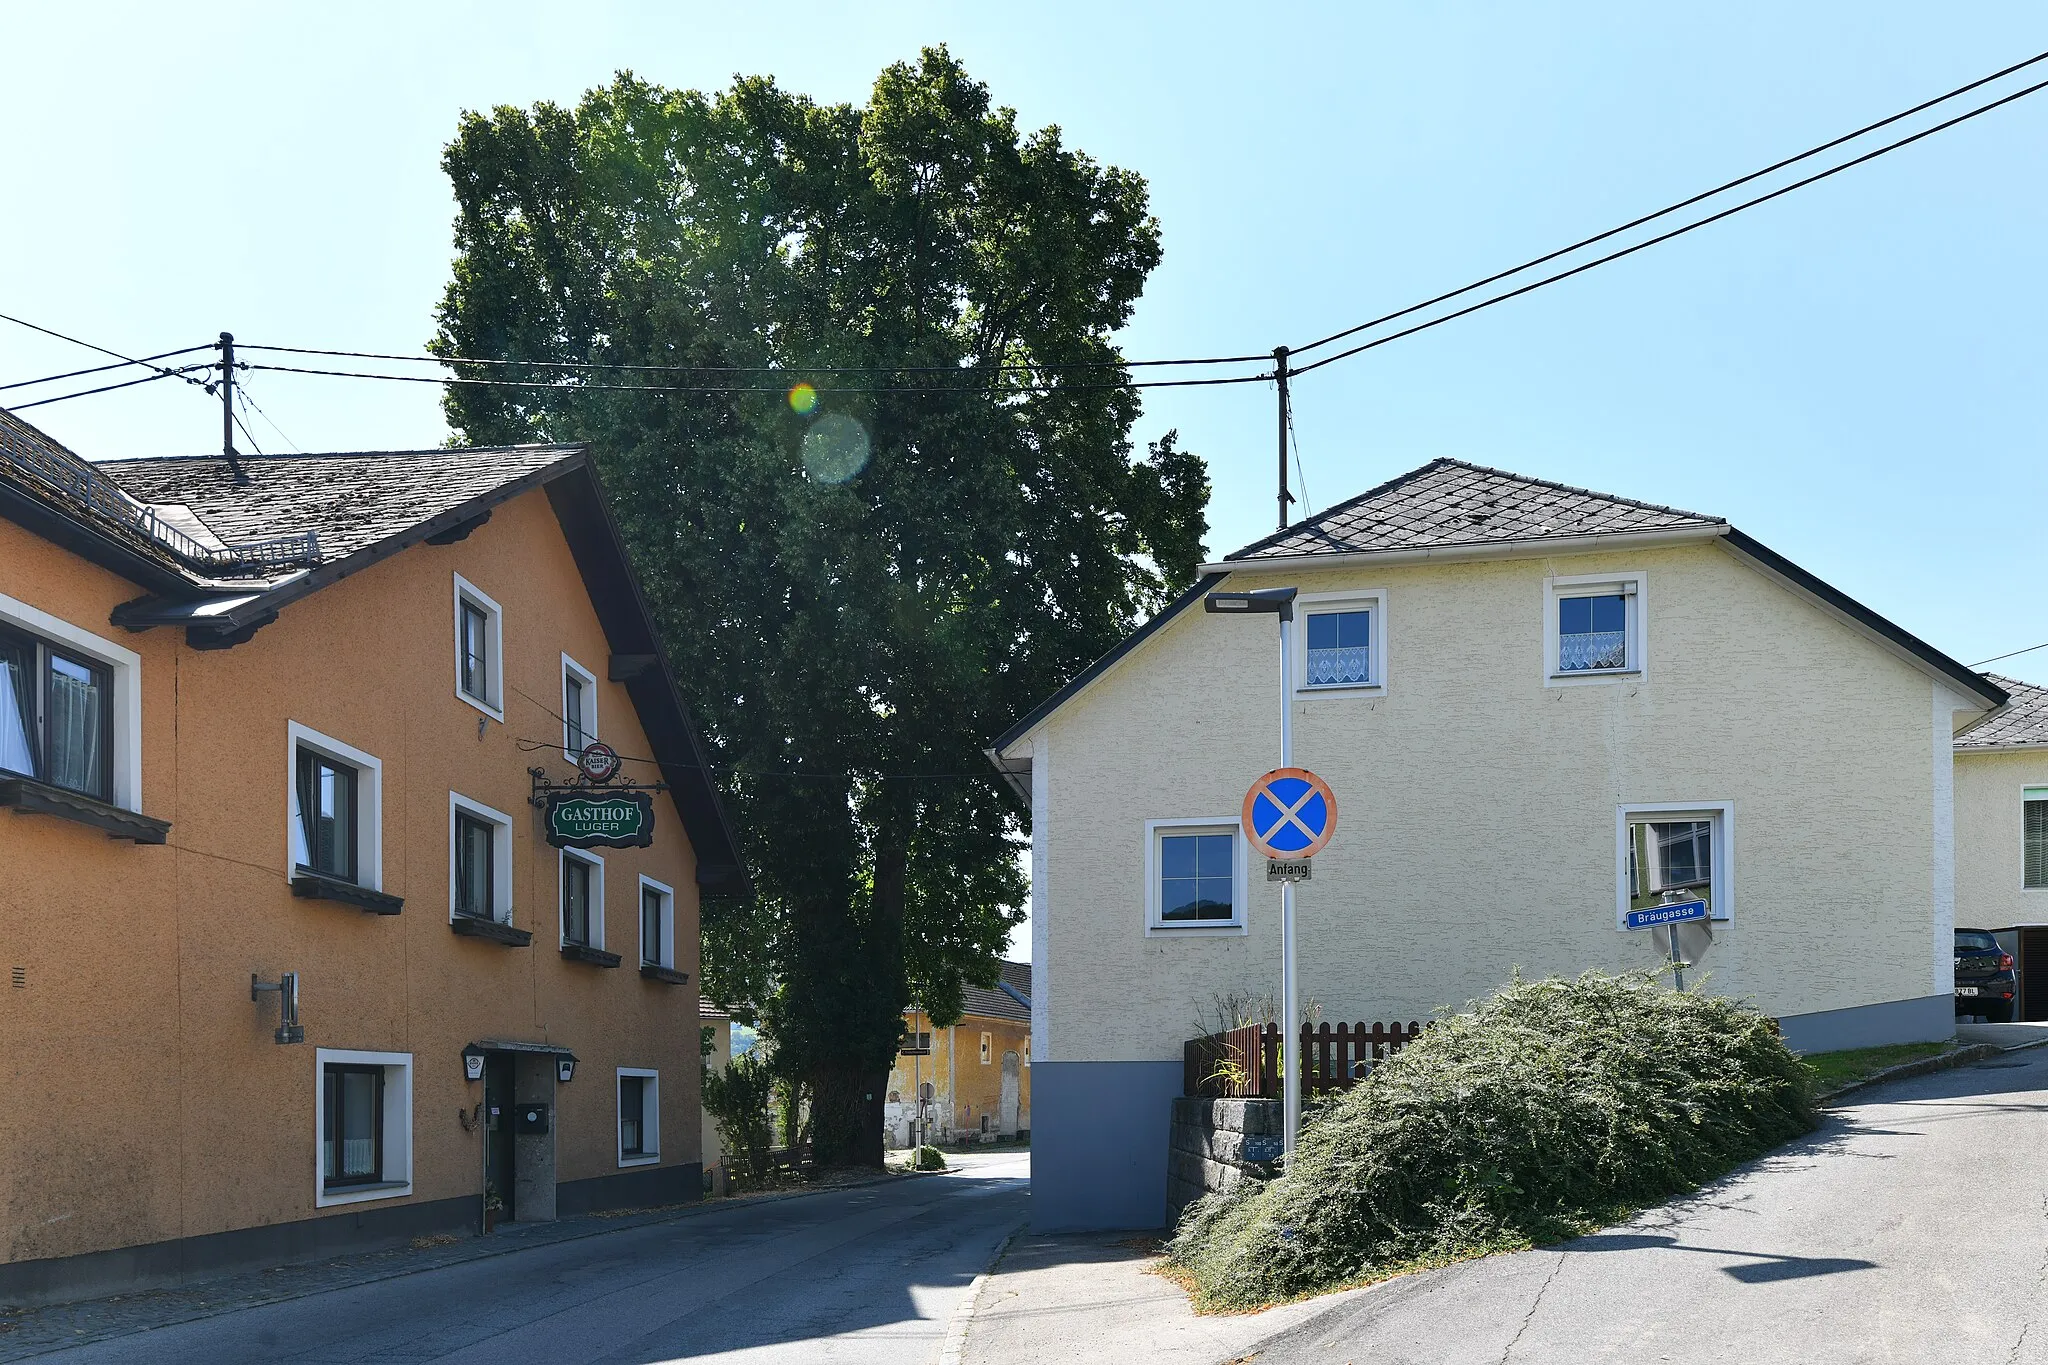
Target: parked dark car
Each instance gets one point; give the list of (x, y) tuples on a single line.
[(1985, 983)]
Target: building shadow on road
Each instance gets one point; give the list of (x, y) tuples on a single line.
[(1761, 1267)]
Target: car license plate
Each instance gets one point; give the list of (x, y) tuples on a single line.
[(1966, 990)]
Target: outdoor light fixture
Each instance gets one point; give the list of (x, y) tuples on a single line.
[(565, 1067), (1276, 601), (287, 988), (473, 1063)]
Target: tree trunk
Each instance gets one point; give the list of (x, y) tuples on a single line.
[(846, 1115)]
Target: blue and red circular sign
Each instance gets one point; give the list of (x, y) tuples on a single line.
[(1289, 813)]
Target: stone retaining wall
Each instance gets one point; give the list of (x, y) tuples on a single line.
[(1214, 1144)]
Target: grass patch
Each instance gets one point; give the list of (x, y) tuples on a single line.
[(1833, 1070), (1552, 1109)]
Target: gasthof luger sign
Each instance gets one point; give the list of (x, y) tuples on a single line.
[(600, 819)]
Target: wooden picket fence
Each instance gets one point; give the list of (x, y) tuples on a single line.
[(1244, 1063)]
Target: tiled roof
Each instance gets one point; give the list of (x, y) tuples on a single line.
[(351, 501), (1010, 999), (1451, 503), (2023, 720), (709, 1012)]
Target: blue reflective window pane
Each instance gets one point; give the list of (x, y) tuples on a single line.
[(1575, 615), (1338, 648), (1322, 630), (1214, 898), (1179, 898), (1354, 629), (1177, 855), (1214, 855), (1608, 613)]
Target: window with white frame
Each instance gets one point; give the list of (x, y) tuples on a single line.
[(2034, 838), (639, 1116), (1340, 642), (336, 820), (70, 707), (582, 877), (479, 860), (479, 649), (363, 1125), (1672, 853), (1593, 627), (579, 707), (1194, 876), (657, 923)]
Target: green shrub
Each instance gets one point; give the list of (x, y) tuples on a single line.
[(738, 1098), (927, 1158), (1550, 1109)]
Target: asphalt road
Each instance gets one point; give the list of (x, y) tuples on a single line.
[(1912, 1228), (869, 1274)]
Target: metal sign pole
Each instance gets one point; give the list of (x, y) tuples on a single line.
[(1290, 1029), (1677, 963)]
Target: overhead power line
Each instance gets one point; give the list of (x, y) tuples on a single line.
[(181, 373), (1667, 211), (2014, 655), (560, 386), (99, 369), (794, 371), (162, 373), (1675, 232)]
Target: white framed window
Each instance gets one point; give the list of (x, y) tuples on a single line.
[(639, 1116), (581, 879), (657, 923), (1675, 851), (479, 649), (987, 1048), (2034, 839), (70, 706), (479, 860), (1195, 877), (362, 1126), (1593, 628), (1340, 643), (335, 826), (579, 707)]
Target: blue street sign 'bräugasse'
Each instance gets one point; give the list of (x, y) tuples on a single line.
[(1657, 916)]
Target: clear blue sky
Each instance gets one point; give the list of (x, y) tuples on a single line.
[(1851, 374)]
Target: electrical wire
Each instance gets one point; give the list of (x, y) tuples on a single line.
[(1681, 204), (560, 387), (1675, 232), (794, 371), (108, 388), (242, 396), (2014, 655), (100, 369), (75, 341), (1307, 504)]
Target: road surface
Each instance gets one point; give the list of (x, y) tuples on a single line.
[(866, 1276)]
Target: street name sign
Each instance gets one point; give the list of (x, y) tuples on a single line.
[(1288, 869), (1657, 916), (614, 819), (1289, 814)]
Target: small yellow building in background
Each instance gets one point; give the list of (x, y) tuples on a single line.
[(975, 1075)]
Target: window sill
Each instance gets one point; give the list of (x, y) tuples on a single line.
[(583, 952), (360, 1194), (654, 1160), (654, 972), (30, 797), (495, 930), (314, 886), (1593, 675), (1210, 930), (496, 713), (1340, 690)]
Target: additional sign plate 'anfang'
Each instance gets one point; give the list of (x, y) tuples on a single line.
[(1287, 870), (615, 819), (1657, 916)]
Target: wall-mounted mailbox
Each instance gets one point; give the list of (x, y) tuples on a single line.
[(530, 1118)]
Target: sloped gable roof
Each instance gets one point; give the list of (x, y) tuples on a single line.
[(2020, 723), (1449, 503), (1009, 999)]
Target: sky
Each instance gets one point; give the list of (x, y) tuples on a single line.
[(1850, 374)]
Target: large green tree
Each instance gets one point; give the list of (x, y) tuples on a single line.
[(858, 590)]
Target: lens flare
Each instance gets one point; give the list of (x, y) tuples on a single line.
[(835, 448), (803, 399)]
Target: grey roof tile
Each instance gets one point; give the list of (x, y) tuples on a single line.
[(1451, 503), (996, 1003), (350, 501), (2023, 720)]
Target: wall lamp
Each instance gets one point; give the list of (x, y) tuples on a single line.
[(565, 1067), (287, 988)]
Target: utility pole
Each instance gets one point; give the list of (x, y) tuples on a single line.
[(1279, 373), (227, 406)]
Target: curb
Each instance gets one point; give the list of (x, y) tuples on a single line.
[(1962, 1056), (955, 1344)]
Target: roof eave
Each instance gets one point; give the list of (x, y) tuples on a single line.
[(2014, 747), (1528, 547)]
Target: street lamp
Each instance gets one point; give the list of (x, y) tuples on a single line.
[(1279, 602)]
